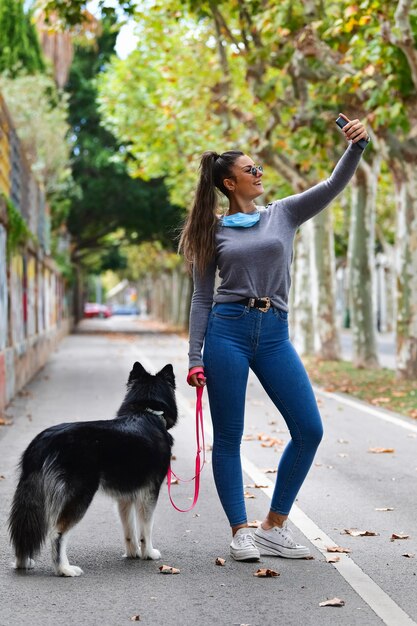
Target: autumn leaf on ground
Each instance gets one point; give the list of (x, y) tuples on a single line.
[(395, 536), (270, 470), (380, 400), (4, 422), (387, 508), (354, 532), (135, 618), (167, 569), (413, 413), (2, 477), (248, 438), (333, 602), (338, 549), (248, 495), (220, 561), (332, 559), (409, 555), (266, 573), (381, 450), (255, 524)]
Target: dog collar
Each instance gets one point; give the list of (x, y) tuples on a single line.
[(158, 413)]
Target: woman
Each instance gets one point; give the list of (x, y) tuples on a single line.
[(244, 325)]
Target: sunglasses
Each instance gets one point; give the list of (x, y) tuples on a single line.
[(255, 170)]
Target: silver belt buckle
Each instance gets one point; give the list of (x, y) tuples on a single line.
[(267, 306)]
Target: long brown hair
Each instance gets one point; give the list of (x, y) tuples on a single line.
[(197, 241)]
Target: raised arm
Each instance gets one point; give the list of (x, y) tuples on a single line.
[(305, 205)]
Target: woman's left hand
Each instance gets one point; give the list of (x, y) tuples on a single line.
[(354, 130)]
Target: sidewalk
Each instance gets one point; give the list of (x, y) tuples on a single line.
[(85, 379)]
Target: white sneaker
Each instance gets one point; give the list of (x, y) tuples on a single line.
[(243, 546), (279, 541)]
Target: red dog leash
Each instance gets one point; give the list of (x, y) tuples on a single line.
[(199, 430)]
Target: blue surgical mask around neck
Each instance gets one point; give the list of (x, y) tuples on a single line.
[(241, 220)]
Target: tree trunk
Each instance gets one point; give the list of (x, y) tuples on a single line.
[(361, 265), (323, 288), (406, 187), (302, 313)]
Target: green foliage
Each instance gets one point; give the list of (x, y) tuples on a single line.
[(19, 50), (18, 232), (39, 114), (73, 13), (109, 207)]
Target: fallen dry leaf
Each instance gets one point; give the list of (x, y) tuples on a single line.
[(4, 422), (248, 438), (255, 524), (309, 557), (409, 555), (413, 413), (380, 400), (395, 536), (248, 495), (381, 450), (354, 532), (338, 549), (256, 486), (2, 477), (135, 618), (332, 559), (270, 470), (220, 561), (266, 573), (333, 602), (167, 569), (386, 508)]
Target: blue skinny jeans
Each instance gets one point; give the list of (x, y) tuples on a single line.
[(239, 338)]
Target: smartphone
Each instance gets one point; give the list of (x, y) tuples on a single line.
[(341, 122)]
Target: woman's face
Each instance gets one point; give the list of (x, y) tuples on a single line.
[(247, 179)]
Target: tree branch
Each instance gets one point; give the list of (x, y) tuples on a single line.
[(406, 41)]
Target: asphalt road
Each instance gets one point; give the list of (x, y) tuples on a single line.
[(85, 378)]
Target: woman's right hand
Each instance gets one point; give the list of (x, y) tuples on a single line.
[(196, 378)]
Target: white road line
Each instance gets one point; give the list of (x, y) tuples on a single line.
[(390, 613), (360, 406), (380, 602)]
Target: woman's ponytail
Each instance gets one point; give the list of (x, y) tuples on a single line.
[(197, 241)]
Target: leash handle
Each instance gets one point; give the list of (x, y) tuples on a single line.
[(199, 428)]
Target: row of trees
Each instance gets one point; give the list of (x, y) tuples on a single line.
[(270, 77), (96, 206)]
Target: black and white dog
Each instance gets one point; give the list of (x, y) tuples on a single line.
[(64, 466)]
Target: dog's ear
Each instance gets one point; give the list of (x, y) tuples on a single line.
[(138, 371), (167, 372)]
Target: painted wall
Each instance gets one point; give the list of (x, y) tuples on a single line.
[(33, 307)]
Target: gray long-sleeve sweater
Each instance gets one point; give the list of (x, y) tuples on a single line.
[(256, 261)]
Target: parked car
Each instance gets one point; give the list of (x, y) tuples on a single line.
[(125, 309), (94, 309)]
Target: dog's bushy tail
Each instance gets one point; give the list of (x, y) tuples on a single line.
[(28, 523)]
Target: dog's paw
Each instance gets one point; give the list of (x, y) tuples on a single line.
[(132, 552), (24, 564), (152, 555), (69, 570)]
